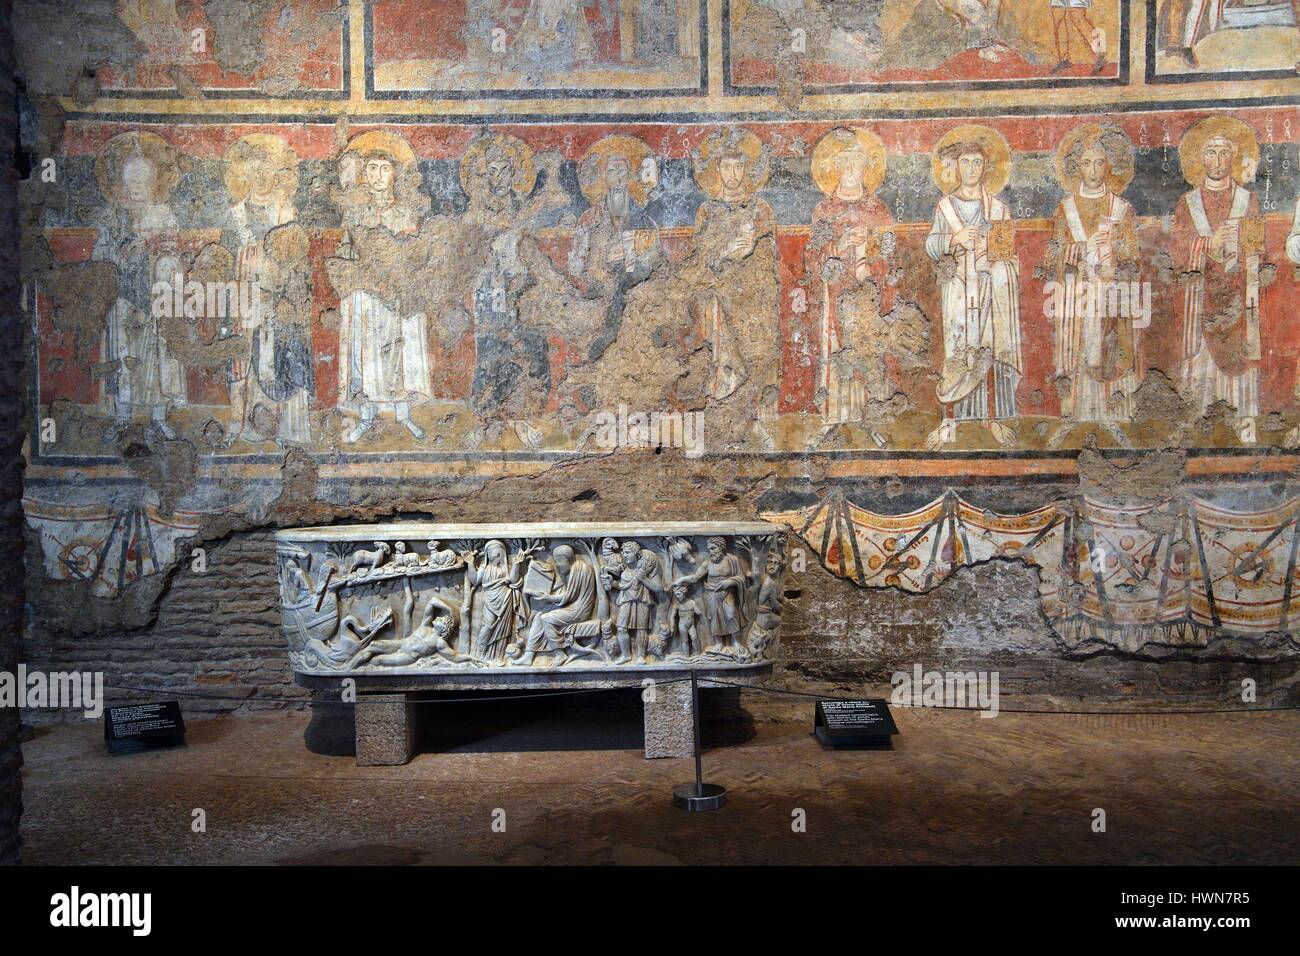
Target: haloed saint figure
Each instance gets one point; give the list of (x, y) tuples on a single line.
[(1097, 347), (1218, 240), (141, 381), (383, 348), (270, 254), (972, 243)]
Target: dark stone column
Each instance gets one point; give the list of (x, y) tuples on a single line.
[(13, 392)]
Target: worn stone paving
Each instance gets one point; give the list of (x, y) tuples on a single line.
[(957, 789)]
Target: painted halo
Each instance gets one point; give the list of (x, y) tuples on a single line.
[(393, 146), (474, 162), (997, 164), (835, 142), (1241, 135), (724, 142), (1119, 169), (272, 150), (112, 159), (591, 170)]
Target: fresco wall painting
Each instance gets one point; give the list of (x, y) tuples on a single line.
[(917, 292)]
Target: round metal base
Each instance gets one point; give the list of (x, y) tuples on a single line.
[(710, 797)]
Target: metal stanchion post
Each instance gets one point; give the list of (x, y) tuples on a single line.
[(699, 795)]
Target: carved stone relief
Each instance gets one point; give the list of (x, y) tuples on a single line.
[(418, 598)]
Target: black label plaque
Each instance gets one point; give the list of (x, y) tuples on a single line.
[(143, 727), (862, 723)]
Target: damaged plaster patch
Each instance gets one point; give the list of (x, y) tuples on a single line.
[(168, 467), (61, 45), (1151, 476), (251, 34)]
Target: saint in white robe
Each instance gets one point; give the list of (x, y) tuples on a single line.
[(383, 354), (981, 314), (147, 379), (1097, 344)]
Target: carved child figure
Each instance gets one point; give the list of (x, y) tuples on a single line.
[(681, 619)]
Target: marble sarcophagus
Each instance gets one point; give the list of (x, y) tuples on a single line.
[(404, 607)]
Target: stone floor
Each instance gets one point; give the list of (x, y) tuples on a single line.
[(956, 789)]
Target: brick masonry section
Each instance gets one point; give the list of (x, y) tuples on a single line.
[(217, 635)]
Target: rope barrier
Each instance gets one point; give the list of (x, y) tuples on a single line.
[(1026, 710)]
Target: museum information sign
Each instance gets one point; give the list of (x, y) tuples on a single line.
[(854, 723), (143, 727)]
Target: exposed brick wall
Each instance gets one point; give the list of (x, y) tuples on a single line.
[(217, 633)]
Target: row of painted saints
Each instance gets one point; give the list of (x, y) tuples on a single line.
[(596, 323)]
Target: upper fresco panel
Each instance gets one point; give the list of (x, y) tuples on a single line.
[(254, 48), (471, 49), (1197, 40), (842, 46)]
